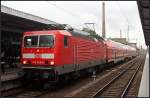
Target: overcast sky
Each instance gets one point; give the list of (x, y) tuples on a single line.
[(119, 14)]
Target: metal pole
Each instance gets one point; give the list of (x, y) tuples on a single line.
[(103, 20), (120, 34), (128, 34), (136, 42)]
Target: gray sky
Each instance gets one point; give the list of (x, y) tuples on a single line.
[(119, 14)]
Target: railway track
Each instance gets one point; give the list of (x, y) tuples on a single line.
[(120, 84), (114, 85), (134, 87)]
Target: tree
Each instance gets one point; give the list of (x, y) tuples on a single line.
[(92, 33), (89, 31)]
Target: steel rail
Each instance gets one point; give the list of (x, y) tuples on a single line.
[(130, 81), (112, 81)]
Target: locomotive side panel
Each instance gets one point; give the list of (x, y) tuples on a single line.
[(80, 54), (90, 53)]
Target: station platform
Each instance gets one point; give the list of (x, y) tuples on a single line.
[(144, 85)]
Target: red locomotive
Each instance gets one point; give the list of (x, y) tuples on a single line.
[(49, 55)]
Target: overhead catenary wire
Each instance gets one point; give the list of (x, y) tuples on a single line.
[(126, 18), (121, 11), (66, 11)]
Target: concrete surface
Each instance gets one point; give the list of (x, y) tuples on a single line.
[(144, 86)]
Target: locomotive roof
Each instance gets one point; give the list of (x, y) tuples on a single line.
[(76, 32), (73, 31), (65, 30)]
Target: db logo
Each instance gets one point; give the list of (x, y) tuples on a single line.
[(37, 55)]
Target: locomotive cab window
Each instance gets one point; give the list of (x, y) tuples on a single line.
[(46, 41), (31, 41), (39, 41), (65, 41)]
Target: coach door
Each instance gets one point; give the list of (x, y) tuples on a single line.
[(106, 54), (75, 56)]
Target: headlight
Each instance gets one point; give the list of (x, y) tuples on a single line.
[(25, 62), (52, 62)]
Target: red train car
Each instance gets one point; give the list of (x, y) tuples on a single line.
[(49, 55), (118, 52)]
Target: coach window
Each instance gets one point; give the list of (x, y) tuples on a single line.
[(65, 41)]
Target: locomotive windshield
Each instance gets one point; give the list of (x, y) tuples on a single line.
[(44, 41)]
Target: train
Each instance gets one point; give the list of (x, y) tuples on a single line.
[(56, 54)]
